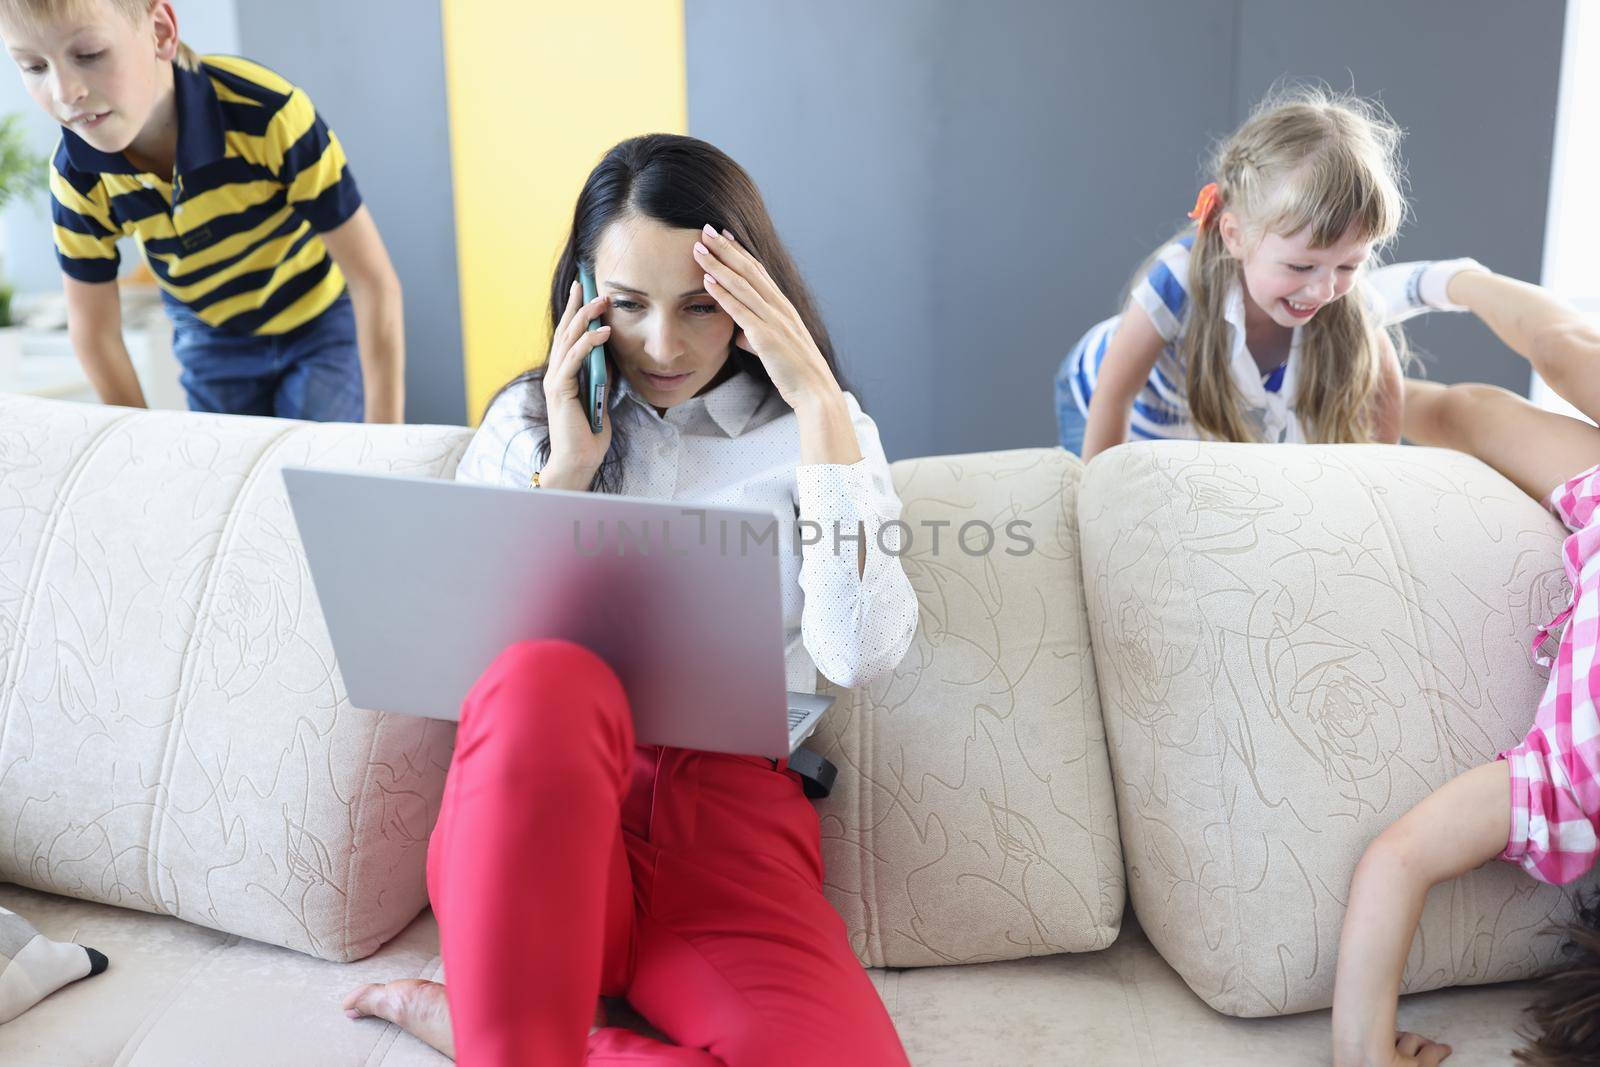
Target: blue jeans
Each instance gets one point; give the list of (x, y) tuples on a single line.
[(1070, 422), (312, 372)]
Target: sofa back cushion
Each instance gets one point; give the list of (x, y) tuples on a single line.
[(1295, 645), (174, 734), (973, 818)]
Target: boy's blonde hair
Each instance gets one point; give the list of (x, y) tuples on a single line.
[(36, 11), (1306, 158)]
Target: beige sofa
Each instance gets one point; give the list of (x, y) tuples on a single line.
[(1251, 661)]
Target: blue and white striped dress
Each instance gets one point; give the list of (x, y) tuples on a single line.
[(1161, 409)]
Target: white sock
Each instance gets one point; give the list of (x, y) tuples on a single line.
[(32, 966), (1409, 289)]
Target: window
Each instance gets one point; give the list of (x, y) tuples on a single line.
[(1572, 227)]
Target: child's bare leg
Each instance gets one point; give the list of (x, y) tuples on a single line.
[(1460, 826), (1535, 448), (1561, 344)]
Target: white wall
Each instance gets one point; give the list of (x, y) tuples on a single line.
[(29, 256), (1572, 230)]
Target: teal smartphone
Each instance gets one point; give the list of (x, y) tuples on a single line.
[(592, 375)]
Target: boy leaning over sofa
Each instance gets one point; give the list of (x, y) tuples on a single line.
[(238, 194)]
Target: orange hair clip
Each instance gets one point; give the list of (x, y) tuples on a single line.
[(1205, 206)]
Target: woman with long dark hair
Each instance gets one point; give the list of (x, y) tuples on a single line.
[(569, 863)]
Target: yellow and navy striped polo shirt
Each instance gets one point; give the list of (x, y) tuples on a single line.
[(234, 234)]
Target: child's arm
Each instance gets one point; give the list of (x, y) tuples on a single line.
[(380, 313), (94, 325), (1522, 315), (1562, 343), (1129, 358), (1458, 827), (1389, 403)]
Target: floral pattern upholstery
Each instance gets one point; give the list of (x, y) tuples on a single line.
[(1294, 646), (174, 734)]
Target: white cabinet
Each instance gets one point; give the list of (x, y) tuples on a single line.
[(41, 362)]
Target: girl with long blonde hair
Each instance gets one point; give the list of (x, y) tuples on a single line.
[(1252, 323)]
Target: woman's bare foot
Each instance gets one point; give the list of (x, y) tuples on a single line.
[(418, 1007)]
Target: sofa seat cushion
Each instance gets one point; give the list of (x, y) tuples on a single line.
[(179, 995), (1125, 1007), (1295, 645)]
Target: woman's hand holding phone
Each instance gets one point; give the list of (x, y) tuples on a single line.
[(576, 451)]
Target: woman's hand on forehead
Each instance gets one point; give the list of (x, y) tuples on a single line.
[(769, 326)]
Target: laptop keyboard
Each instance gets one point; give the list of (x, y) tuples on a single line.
[(805, 712)]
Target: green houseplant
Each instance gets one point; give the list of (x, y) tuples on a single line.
[(22, 172)]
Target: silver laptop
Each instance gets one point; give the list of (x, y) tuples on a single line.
[(424, 582)]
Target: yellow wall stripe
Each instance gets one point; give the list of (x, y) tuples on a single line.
[(539, 89)]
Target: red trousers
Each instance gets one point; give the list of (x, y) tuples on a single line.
[(567, 864)]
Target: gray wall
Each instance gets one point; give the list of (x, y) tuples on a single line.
[(376, 73), (968, 186)]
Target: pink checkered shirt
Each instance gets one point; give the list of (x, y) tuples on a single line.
[(1555, 772)]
